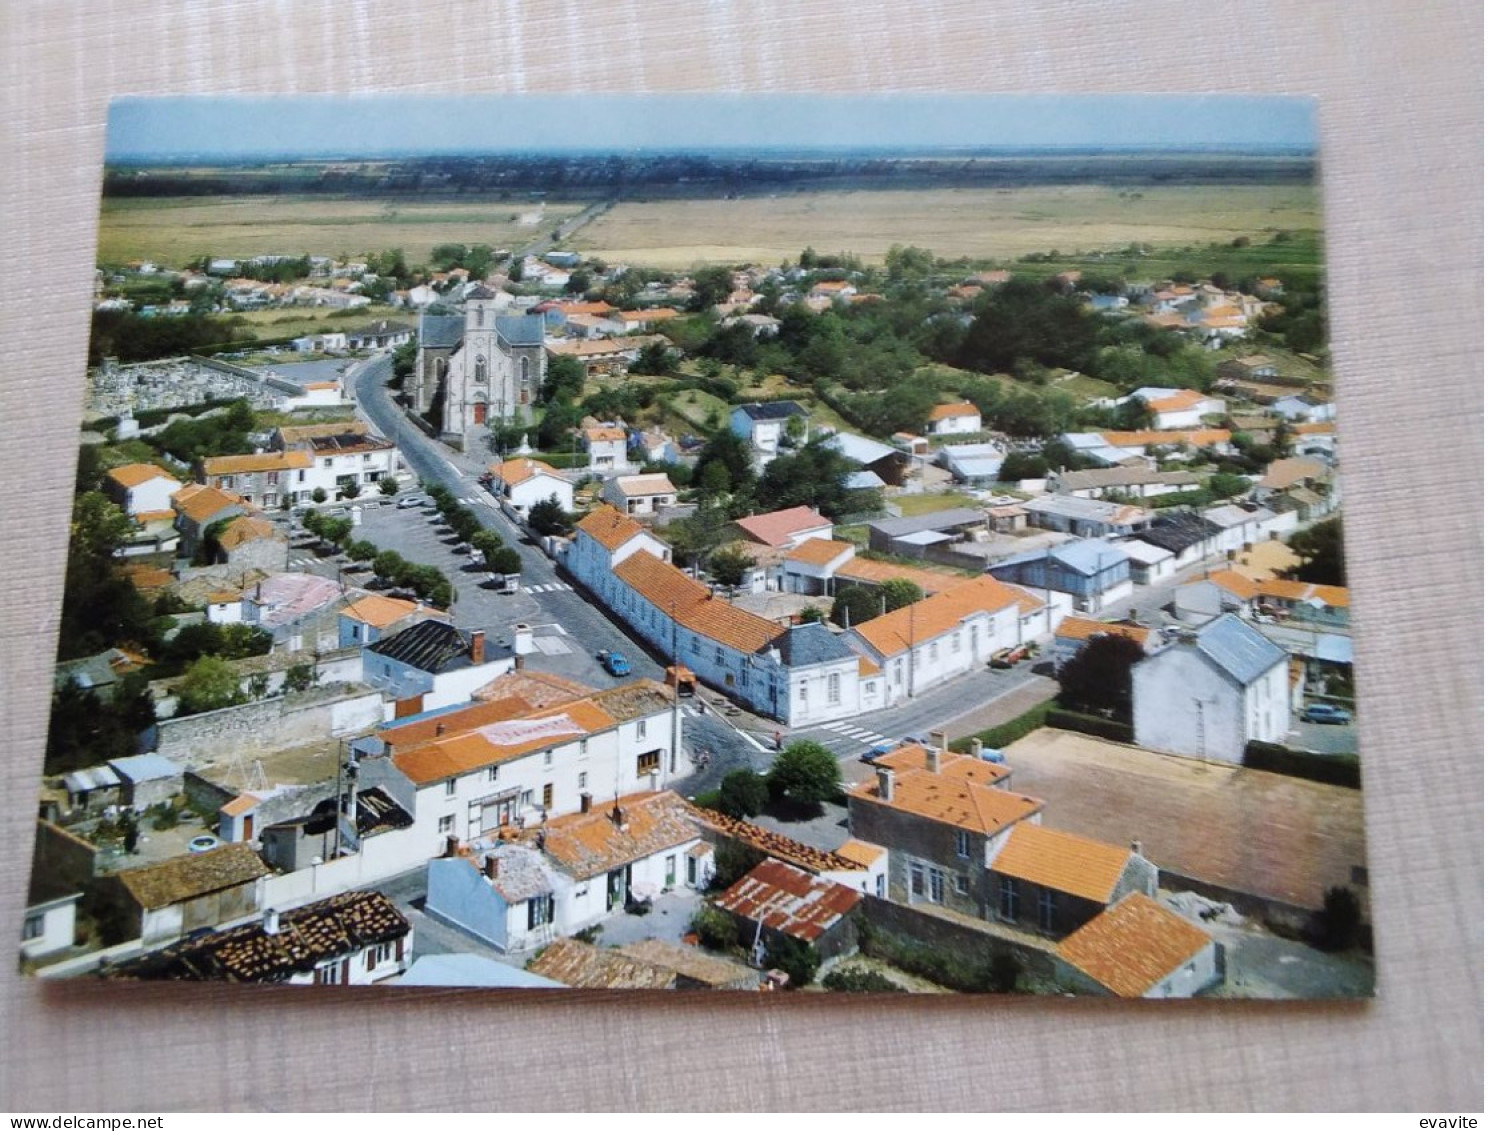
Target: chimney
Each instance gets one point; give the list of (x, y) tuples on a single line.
[(617, 816), (492, 866), (935, 751), (1136, 847), (976, 749), (886, 784), (271, 922), (477, 647), (438, 729), (586, 802)]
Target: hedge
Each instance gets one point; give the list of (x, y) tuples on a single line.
[(1009, 732), (1330, 769), (1112, 729)]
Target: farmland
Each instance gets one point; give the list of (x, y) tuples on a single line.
[(174, 230), (979, 223)]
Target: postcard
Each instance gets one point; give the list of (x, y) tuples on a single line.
[(764, 544)]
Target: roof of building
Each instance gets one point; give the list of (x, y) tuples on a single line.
[(305, 938), (286, 597), (637, 699), (1198, 438), (432, 646), (146, 767), (819, 551), (961, 797), (632, 486), (452, 721), (1266, 560), (592, 347), (693, 605), (441, 331), (1238, 650), (186, 877), (148, 577), (1088, 557), (935, 615), (630, 829), (776, 845), (874, 572), (654, 314), (604, 432), (347, 442), (802, 645), (133, 474), (291, 434), (861, 852), (1177, 532), (1234, 583), (582, 966), (1080, 628), (500, 740), (1132, 946), (789, 900), (1174, 401), (1144, 552), (536, 689), (1077, 865), (261, 461), (609, 527), (1088, 510), (691, 963), (862, 450), (248, 529), (776, 528), (520, 329), (952, 518), (204, 503), (771, 410), (1226, 516), (953, 411), (1284, 473), (521, 469), (913, 756), (1332, 596), (380, 611)]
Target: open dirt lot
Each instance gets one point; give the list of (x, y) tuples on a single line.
[(173, 230), (981, 223), (1274, 836)]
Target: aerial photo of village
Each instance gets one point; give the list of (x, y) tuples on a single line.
[(748, 555)]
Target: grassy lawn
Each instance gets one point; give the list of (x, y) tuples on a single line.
[(696, 407), (291, 322), (912, 506)]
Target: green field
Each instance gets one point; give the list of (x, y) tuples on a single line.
[(172, 231)]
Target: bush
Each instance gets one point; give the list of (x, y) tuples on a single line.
[(1112, 729), (715, 928), (968, 973), (388, 486), (732, 861), (743, 794), (798, 959), (1330, 769), (1009, 732), (860, 982), (318, 495), (805, 773)]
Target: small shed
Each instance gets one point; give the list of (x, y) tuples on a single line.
[(146, 780), (91, 789), (777, 899)]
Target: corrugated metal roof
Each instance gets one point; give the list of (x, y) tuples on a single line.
[(789, 900), (1238, 649), (145, 767), (431, 646)]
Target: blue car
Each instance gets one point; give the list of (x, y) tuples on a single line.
[(1325, 713), (614, 663)]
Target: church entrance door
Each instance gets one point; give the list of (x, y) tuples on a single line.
[(480, 412)]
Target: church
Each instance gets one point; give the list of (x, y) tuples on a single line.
[(478, 366)]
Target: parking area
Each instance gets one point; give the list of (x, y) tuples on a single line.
[(1324, 738)]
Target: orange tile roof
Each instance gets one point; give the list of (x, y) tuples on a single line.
[(1131, 947), (244, 529), (148, 577), (452, 723), (538, 689), (912, 756), (1235, 583), (591, 348), (316, 385), (497, 742), (936, 615), (224, 596), (693, 605), (604, 432), (831, 285), (1079, 628), (1184, 398), (1265, 560), (1284, 473), (262, 461), (199, 506), (776, 845), (818, 551), (1199, 438), (660, 314), (380, 611), (1334, 596), (515, 471), (1318, 428), (950, 799), (133, 474), (776, 528), (867, 667), (609, 527), (1088, 869), (951, 411), (242, 803), (862, 852), (145, 517), (876, 573), (590, 844), (586, 308)]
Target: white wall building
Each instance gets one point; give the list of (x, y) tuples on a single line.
[(141, 488), (639, 494), (525, 482), (954, 419)]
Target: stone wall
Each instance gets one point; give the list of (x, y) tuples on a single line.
[(268, 724), (974, 945), (64, 857)]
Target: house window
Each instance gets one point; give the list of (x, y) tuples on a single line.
[(547, 795), (916, 881), (583, 748), (583, 781), (692, 873), (934, 651), (671, 872), (493, 773), (963, 885), (446, 825), (801, 693), (963, 843), (272, 477), (33, 928), (1046, 910), (834, 688), (547, 757), (1008, 898), (480, 371), (300, 477), (326, 463), (937, 885), (956, 641), (527, 798), (648, 763), (641, 729), (328, 975), (868, 687), (879, 887), (539, 911), (377, 955), (449, 787)]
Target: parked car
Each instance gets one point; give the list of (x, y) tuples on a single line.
[(614, 662), (874, 753), (408, 502), (1325, 713)]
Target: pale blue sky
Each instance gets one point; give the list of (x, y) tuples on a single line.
[(315, 126)]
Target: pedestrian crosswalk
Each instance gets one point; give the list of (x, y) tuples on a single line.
[(857, 733), (552, 587), (303, 562)]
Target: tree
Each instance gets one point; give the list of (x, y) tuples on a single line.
[(796, 957), (729, 565), (899, 592), (558, 422), (715, 928), (388, 486), (504, 561), (318, 495), (548, 517), (208, 685), (86, 729), (711, 285), (1097, 679), (732, 453), (805, 773), (1023, 465), (655, 359), (812, 614), (563, 381), (350, 491), (1321, 549), (299, 677), (578, 283), (814, 476), (855, 604), (743, 793)]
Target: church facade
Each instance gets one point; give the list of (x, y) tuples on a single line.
[(479, 366)]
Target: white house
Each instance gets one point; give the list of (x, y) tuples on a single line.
[(368, 619), (141, 488), (571, 873), (1086, 518), (524, 482), (1178, 408), (1305, 409), (639, 494), (50, 925), (950, 419), (785, 530), (606, 445), (764, 425), (1211, 691), (943, 636), (1224, 591), (1245, 525), (1149, 564), (810, 566), (432, 665)]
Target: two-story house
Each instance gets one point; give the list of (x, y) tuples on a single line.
[(264, 479), (524, 482), (607, 446), (1094, 573), (140, 488), (764, 426)]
